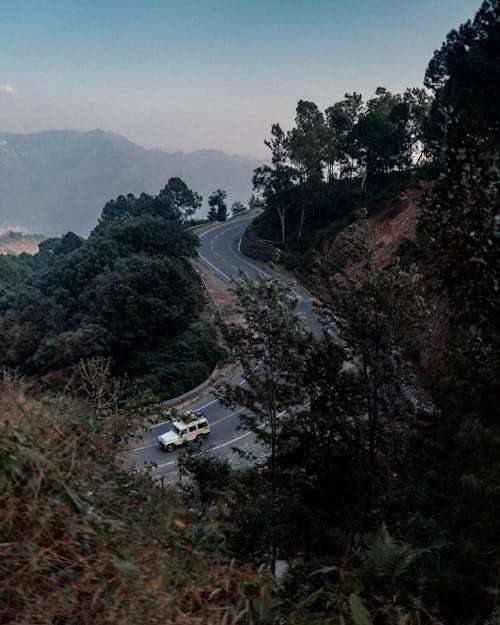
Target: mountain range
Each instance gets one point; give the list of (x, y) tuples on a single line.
[(59, 180)]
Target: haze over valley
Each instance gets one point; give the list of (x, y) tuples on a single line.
[(55, 181)]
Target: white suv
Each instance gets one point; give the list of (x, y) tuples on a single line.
[(186, 429)]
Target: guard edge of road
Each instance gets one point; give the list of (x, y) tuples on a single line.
[(180, 398)]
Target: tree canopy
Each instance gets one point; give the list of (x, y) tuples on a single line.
[(120, 293)]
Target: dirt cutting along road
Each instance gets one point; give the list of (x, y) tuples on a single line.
[(220, 253)]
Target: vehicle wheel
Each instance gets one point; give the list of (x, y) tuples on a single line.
[(205, 434), (170, 447)]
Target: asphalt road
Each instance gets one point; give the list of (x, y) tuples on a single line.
[(220, 252)]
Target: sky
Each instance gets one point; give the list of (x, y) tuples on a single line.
[(187, 75)]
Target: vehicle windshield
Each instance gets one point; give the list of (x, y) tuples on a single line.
[(176, 430)]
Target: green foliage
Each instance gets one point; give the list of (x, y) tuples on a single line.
[(288, 260), (464, 76), (276, 182), (321, 457), (12, 270), (146, 234), (361, 143), (461, 222), (177, 364), (210, 474), (142, 298), (123, 291), (494, 619), (389, 558), (237, 208), (380, 314), (460, 227), (174, 202), (217, 204)]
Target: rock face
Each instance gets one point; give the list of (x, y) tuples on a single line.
[(396, 224), (55, 181), (259, 249)]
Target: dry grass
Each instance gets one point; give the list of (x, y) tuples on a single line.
[(83, 542)]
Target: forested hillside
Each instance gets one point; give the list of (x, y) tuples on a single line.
[(127, 293)]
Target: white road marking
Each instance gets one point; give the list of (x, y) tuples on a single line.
[(226, 417), (145, 446), (222, 226), (214, 267), (165, 464), (210, 403), (238, 438), (259, 270)]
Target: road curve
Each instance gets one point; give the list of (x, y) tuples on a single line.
[(220, 252)]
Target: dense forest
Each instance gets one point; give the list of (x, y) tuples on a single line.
[(405, 498), (381, 479), (127, 293)]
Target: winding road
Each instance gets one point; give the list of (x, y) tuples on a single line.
[(220, 252)]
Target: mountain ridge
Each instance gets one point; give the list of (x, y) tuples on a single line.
[(57, 180)]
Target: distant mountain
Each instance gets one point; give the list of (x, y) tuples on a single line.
[(59, 180)]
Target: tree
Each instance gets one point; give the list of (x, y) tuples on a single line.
[(255, 203), (374, 136), (218, 208), (340, 119), (179, 199), (271, 348), (209, 473), (144, 297), (175, 202), (464, 75), (380, 314), (306, 143), (306, 140), (147, 234), (276, 182), (320, 456), (237, 208), (104, 392), (460, 219), (412, 143)]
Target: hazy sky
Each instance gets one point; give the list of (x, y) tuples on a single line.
[(184, 75)]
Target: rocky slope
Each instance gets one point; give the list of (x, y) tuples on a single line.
[(395, 221)]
